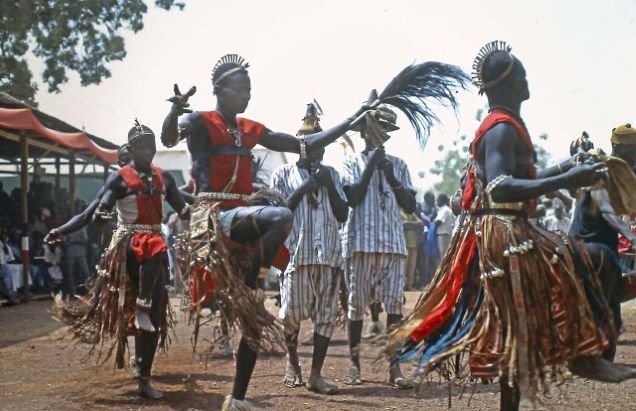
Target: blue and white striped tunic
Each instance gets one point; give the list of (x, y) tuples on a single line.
[(374, 226), (314, 238)]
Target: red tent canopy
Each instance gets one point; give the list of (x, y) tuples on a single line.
[(24, 119)]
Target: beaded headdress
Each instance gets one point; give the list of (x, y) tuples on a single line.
[(478, 65), (226, 66), (138, 130)]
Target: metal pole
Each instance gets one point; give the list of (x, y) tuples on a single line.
[(24, 214), (71, 182)]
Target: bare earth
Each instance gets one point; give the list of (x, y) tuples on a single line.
[(41, 369)]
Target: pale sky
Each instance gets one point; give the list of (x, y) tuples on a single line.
[(578, 55)]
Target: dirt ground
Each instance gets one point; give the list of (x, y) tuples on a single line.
[(41, 369)]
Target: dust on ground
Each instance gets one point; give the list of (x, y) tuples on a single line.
[(42, 369)]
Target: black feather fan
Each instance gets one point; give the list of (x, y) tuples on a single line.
[(412, 88)]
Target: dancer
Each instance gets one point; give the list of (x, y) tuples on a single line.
[(595, 218), (309, 286), (377, 187), (129, 296), (220, 144), (522, 302)]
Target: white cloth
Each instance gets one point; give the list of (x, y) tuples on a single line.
[(445, 220), (6, 254), (314, 237), (54, 258), (552, 223), (16, 276), (375, 226)]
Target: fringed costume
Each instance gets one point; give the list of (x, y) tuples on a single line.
[(217, 267), (217, 264), (108, 311), (518, 300)]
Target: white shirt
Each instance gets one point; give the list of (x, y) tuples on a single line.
[(552, 223), (6, 254), (445, 220)]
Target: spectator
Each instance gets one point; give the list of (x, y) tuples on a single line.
[(429, 251), (538, 216), (558, 222), (7, 289), (75, 262), (12, 258), (39, 226), (4, 201), (428, 209), (444, 223), (413, 227), (53, 260)]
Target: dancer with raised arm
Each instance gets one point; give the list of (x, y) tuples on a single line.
[(220, 144)]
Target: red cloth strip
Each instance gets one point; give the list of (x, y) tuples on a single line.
[(456, 278), (147, 245)]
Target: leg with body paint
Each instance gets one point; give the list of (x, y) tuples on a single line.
[(269, 226)]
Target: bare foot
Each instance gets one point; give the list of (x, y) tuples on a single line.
[(353, 376), (293, 377), (599, 369), (396, 378), (320, 386), (145, 389)]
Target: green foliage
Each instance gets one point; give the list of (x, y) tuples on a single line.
[(451, 166), (543, 156), (76, 35)]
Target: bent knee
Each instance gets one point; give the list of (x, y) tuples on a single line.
[(281, 217)]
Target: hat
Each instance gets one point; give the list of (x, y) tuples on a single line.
[(382, 116), (139, 130), (311, 121), (624, 134)]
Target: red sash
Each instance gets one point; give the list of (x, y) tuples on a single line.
[(495, 117)]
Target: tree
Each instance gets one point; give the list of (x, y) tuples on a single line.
[(76, 35), (451, 166)]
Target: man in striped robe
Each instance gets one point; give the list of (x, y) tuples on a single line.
[(309, 286), (377, 186)]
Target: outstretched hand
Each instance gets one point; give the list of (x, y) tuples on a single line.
[(584, 175), (102, 215), (180, 101), (53, 237)]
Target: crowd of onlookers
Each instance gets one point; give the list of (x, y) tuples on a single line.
[(428, 232), (53, 267), (66, 266)]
